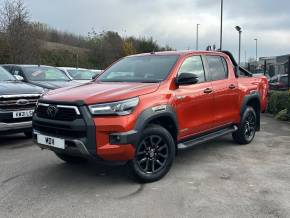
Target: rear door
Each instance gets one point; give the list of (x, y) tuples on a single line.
[(225, 91), (194, 103)]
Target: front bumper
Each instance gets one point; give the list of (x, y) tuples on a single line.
[(8, 124), (105, 139), (18, 126), (73, 147)]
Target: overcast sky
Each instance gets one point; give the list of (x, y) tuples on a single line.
[(173, 22)]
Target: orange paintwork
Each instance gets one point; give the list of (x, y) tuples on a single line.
[(196, 111)]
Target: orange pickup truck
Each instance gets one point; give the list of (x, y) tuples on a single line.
[(145, 107)]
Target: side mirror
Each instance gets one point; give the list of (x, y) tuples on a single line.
[(20, 78), (186, 79)]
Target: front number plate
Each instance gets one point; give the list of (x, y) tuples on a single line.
[(51, 141), (21, 114)]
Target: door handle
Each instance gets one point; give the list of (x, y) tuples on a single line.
[(207, 90), (232, 86)]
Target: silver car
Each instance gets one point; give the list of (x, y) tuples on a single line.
[(79, 74)]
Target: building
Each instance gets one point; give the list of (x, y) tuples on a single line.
[(270, 65)]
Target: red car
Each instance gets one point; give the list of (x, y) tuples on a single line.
[(145, 107), (279, 82)]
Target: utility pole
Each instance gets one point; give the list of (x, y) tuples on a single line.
[(239, 29), (256, 48), (245, 57), (197, 25), (256, 54), (221, 30)]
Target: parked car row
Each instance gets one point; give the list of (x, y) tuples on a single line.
[(22, 85)]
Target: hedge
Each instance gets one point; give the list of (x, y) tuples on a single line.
[(279, 104)]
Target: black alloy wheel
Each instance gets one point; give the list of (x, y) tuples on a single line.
[(247, 127), (250, 126), (154, 155)]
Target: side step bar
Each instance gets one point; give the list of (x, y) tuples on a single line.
[(188, 144)]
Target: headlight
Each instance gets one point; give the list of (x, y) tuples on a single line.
[(115, 108)]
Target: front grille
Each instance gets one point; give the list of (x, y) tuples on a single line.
[(62, 113), (18, 102)]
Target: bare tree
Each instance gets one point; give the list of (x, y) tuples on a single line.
[(22, 43)]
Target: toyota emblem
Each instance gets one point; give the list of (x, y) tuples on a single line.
[(51, 111)]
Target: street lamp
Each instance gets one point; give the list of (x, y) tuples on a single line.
[(256, 48), (197, 25), (239, 29), (221, 30)]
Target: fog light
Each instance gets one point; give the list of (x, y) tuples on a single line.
[(115, 139)]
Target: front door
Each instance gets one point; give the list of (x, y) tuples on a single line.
[(194, 103)]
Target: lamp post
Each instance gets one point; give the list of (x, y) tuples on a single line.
[(239, 29), (221, 27), (256, 48), (197, 25)]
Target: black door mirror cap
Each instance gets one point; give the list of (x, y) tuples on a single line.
[(186, 79)]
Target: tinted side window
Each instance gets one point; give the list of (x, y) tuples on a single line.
[(17, 71), (193, 65), (217, 67)]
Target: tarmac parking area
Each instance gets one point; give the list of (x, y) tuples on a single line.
[(216, 179)]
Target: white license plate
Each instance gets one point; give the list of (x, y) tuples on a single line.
[(51, 141), (21, 114)]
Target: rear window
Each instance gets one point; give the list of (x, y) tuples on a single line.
[(217, 67)]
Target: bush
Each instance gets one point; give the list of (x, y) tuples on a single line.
[(283, 115), (288, 107), (278, 101)]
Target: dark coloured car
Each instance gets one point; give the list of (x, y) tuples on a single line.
[(279, 82), (17, 104), (46, 77)]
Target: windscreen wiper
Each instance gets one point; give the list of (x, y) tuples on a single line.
[(150, 81)]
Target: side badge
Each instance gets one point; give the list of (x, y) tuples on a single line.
[(159, 108)]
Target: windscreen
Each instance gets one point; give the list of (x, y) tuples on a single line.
[(149, 68), (45, 74), (5, 75), (81, 74)]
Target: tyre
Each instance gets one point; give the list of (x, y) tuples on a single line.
[(28, 134), (247, 127), (71, 159), (155, 153)]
